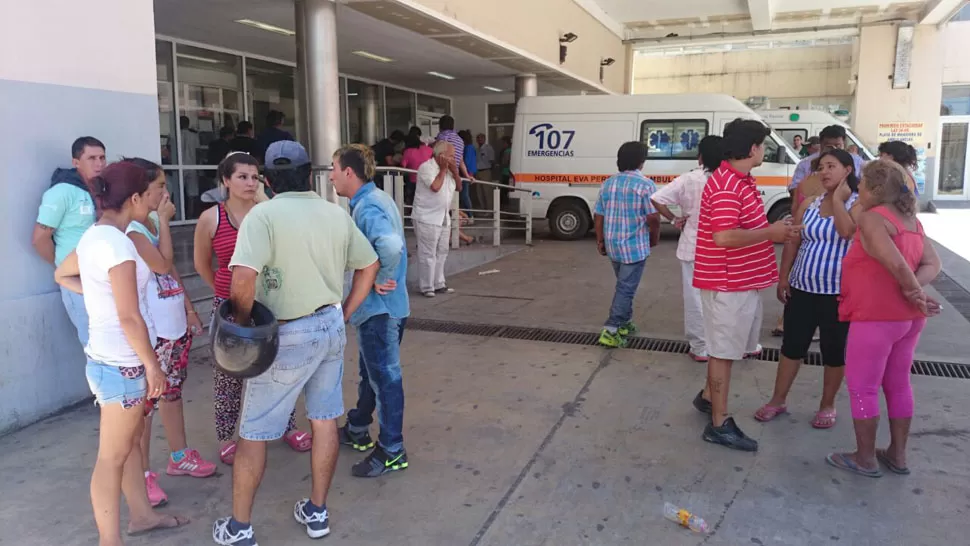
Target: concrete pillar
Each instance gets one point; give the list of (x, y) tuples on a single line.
[(369, 110), (526, 85), (875, 101), (317, 49), (114, 99), (629, 56)]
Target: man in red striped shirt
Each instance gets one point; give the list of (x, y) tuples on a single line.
[(734, 260)]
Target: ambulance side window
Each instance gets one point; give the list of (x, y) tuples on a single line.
[(673, 138)]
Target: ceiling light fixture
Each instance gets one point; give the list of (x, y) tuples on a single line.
[(266, 26), (566, 38), (440, 75), (604, 63), (493, 89), (197, 58), (372, 56)]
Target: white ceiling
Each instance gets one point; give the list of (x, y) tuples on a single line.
[(212, 22), (693, 18)]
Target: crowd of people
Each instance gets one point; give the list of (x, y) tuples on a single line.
[(854, 263), (853, 267)]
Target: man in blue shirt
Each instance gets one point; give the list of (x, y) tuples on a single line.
[(627, 226), (831, 137), (272, 133), (379, 320), (66, 211)]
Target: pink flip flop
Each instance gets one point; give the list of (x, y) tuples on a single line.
[(767, 413), (299, 441), (824, 419)]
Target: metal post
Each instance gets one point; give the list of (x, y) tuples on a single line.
[(496, 217), (526, 85), (369, 104), (399, 194), (528, 219), (455, 220), (318, 41), (302, 109)]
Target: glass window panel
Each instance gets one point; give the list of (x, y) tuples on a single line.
[(271, 86), (172, 184), (790, 134), (364, 112), (210, 85), (400, 109), (166, 103), (435, 105), (501, 113), (673, 139), (195, 183), (343, 110), (956, 100), (953, 159)]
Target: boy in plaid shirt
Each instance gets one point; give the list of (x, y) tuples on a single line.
[(627, 226)]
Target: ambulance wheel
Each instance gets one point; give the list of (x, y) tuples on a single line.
[(780, 211), (569, 221)]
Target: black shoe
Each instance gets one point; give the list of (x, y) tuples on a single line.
[(703, 406), (380, 462), (444, 290), (729, 435), (361, 441)]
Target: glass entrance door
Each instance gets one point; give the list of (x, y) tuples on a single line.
[(952, 175)]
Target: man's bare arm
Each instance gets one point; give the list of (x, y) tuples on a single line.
[(43, 241)]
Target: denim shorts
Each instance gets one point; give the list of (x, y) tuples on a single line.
[(310, 361), (117, 385)]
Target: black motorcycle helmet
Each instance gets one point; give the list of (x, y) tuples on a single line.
[(244, 351)]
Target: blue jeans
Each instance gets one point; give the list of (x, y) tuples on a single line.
[(74, 305), (310, 361), (627, 281), (465, 197), (380, 384)]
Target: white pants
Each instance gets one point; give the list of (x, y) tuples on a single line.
[(432, 252), (693, 313)]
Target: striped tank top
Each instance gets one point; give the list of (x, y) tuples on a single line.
[(223, 245), (818, 265)]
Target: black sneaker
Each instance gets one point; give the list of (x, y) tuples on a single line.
[(729, 435), (380, 462), (703, 406), (361, 441)]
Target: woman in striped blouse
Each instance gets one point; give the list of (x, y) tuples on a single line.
[(811, 272)]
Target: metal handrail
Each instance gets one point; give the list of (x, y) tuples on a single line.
[(394, 186)]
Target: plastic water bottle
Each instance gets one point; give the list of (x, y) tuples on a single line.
[(684, 518)]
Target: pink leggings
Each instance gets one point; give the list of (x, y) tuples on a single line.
[(881, 353)]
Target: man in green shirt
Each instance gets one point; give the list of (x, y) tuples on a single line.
[(291, 255), (66, 211)]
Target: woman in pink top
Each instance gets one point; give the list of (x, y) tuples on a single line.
[(883, 275), (415, 154)]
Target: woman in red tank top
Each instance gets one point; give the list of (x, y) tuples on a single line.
[(215, 234), (883, 275)]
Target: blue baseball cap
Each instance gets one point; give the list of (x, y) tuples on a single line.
[(283, 153)]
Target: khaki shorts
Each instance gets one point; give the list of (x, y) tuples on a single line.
[(732, 323)]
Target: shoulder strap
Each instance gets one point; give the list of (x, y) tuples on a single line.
[(881, 210)]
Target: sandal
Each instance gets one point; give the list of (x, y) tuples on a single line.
[(883, 457), (227, 454), (839, 460), (163, 525), (824, 419), (767, 413), (300, 441)]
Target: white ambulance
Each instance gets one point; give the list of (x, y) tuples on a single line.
[(808, 123), (565, 147)]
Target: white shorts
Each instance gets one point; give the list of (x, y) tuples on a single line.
[(732, 323)]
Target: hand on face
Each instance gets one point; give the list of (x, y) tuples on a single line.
[(166, 208)]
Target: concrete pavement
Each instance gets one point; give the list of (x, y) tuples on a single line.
[(529, 443)]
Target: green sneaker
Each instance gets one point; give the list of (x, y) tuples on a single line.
[(612, 339), (627, 329)]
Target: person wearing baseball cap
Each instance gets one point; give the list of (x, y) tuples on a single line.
[(290, 256)]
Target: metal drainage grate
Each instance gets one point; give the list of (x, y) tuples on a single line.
[(952, 370)]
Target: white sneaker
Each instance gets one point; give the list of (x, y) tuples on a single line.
[(428, 294), (222, 536), (317, 523)]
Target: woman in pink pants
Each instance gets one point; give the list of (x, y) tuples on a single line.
[(883, 275)]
